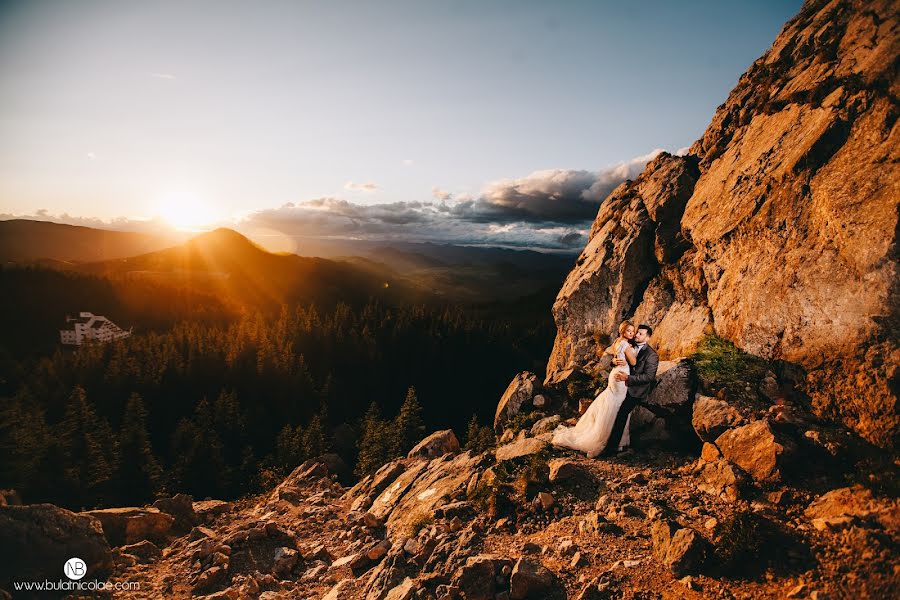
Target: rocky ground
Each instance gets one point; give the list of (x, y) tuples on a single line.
[(757, 498), (635, 526)]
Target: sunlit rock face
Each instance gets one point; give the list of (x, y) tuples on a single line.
[(778, 230)]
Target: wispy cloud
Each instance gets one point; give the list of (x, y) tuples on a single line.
[(369, 186), (163, 75), (407, 162), (441, 194)]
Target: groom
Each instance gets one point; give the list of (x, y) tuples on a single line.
[(639, 382)]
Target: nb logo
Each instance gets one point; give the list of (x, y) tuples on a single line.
[(75, 568)]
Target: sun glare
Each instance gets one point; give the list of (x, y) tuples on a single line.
[(185, 210)]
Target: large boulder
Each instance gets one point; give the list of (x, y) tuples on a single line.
[(519, 448), (518, 396), (131, 525), (665, 415), (564, 469), (436, 444), (38, 539), (532, 580), (477, 579), (713, 417), (181, 507), (758, 449), (800, 162)]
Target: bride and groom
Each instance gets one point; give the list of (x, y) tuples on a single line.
[(603, 428)]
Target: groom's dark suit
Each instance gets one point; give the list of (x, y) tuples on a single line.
[(640, 383)]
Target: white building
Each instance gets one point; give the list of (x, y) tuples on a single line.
[(91, 327)]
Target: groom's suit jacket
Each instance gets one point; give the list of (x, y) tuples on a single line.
[(643, 373)]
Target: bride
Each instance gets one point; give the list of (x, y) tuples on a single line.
[(593, 428)]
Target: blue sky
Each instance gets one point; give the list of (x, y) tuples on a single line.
[(333, 118)]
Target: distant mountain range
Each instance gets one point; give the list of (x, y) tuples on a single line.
[(43, 242), (228, 263)]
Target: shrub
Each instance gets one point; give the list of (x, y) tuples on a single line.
[(418, 522), (533, 475), (722, 365), (523, 420), (479, 438)]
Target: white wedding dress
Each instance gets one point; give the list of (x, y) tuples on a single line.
[(591, 432)]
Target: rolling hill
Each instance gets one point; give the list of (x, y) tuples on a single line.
[(229, 265), (55, 244)]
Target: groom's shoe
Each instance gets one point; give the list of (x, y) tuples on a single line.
[(608, 453)]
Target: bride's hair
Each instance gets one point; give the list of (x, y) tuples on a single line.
[(625, 325)]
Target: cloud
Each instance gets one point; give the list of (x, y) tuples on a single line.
[(608, 179), (407, 162), (552, 195), (549, 209), (162, 75), (361, 187), (442, 195), (155, 226), (91, 155)]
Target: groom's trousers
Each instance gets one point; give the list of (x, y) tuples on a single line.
[(615, 436)]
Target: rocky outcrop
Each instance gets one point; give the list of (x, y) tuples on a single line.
[(436, 444), (181, 508), (131, 525), (614, 269), (778, 229), (38, 539), (519, 395)]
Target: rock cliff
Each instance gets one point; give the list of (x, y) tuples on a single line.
[(777, 230)]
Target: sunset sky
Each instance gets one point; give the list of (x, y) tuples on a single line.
[(482, 122)]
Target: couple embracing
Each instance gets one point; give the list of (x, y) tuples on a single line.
[(603, 429)]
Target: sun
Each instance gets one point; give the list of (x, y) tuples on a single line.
[(185, 210)]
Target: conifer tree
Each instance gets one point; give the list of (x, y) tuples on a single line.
[(25, 441), (314, 439), (200, 466), (138, 476), (374, 444), (408, 426), (289, 448), (478, 438), (90, 451)]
